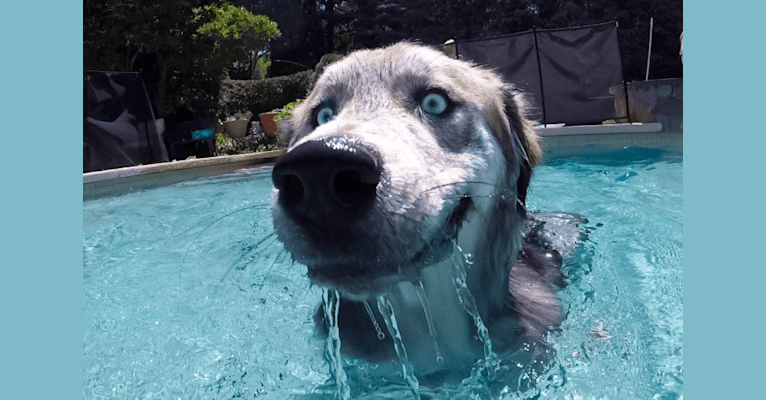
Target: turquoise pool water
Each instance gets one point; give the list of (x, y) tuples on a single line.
[(188, 295)]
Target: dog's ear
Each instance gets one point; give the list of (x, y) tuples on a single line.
[(515, 110), (522, 183), (523, 133)]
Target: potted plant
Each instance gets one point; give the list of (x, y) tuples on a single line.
[(284, 113), (267, 122), (236, 125)]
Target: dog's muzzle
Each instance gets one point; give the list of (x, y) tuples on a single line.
[(328, 182)]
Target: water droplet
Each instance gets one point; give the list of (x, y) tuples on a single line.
[(491, 360), (420, 290), (331, 305), (385, 308), (379, 331), (626, 176)]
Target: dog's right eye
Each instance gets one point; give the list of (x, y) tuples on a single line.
[(325, 115), (434, 104)]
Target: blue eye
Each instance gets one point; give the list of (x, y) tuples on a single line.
[(434, 104), (325, 115)]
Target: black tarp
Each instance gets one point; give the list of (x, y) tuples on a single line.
[(119, 128), (566, 73)]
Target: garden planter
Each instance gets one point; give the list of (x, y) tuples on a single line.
[(268, 124), (237, 128)]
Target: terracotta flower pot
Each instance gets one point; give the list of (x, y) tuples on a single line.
[(268, 124)]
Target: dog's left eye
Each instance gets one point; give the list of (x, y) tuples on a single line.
[(434, 104), (325, 115)]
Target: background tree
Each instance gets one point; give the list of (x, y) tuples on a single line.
[(239, 35), (302, 41), (181, 66), (376, 23)]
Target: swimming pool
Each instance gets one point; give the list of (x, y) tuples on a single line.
[(188, 295)]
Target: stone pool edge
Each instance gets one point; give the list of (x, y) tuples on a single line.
[(128, 179), (561, 140), (587, 139)]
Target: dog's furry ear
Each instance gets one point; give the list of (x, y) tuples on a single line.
[(524, 132), (515, 109)]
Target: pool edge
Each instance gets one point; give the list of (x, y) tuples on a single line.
[(561, 140), (128, 179)]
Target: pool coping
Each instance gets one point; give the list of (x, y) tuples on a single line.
[(129, 179), (589, 139), (561, 139), (635, 127)]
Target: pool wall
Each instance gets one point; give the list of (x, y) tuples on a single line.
[(658, 100)]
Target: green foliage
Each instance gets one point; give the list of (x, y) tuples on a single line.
[(222, 138), (285, 113), (260, 96), (160, 40), (287, 109), (181, 47), (239, 36), (264, 63), (237, 23)]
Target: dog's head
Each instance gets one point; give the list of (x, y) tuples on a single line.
[(397, 155)]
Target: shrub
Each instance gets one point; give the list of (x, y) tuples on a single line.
[(258, 96)]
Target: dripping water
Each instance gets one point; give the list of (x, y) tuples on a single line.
[(427, 310), (379, 331), (331, 305), (385, 308), (491, 360)]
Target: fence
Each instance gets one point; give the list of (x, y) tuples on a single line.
[(566, 73)]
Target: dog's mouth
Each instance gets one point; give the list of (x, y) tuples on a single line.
[(365, 280)]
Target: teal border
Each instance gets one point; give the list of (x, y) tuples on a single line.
[(724, 198), (41, 289), (723, 218)]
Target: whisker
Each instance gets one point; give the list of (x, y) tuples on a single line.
[(245, 264), (270, 235), (457, 183), (268, 270), (460, 196), (183, 259)]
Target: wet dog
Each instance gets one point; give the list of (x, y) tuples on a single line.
[(400, 164)]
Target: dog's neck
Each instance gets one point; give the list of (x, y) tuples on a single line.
[(435, 329), (434, 323)]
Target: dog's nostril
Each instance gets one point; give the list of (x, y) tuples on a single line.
[(349, 190), (291, 189)]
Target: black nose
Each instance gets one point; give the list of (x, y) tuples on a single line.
[(326, 182)]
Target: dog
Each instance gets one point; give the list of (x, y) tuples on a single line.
[(400, 163)]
